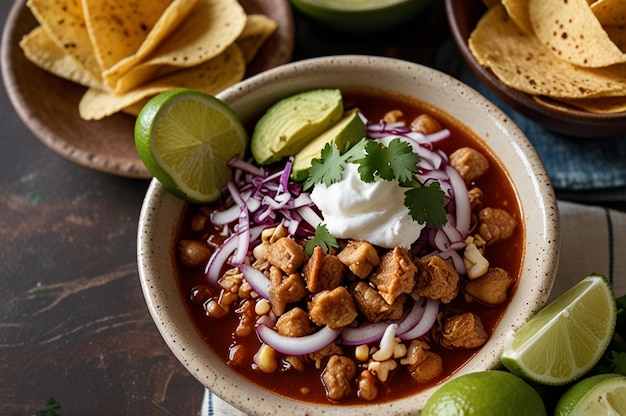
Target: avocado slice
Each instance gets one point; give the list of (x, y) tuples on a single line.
[(345, 134), (292, 122)]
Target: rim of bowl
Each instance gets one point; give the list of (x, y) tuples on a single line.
[(161, 212), (334, 6)]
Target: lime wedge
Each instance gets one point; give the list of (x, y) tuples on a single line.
[(566, 338), (602, 394), (185, 138)]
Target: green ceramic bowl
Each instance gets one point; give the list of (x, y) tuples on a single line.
[(361, 16)]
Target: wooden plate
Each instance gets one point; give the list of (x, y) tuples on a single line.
[(48, 105)]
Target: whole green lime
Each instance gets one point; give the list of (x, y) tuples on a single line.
[(492, 392)]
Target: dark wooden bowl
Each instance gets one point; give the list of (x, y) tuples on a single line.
[(463, 15), (48, 105)]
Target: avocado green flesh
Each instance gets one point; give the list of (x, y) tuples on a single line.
[(345, 134), (292, 122)]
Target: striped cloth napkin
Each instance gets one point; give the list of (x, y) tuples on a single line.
[(593, 240)]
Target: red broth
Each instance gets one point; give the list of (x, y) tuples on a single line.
[(306, 386)]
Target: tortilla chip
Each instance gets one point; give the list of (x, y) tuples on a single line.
[(518, 10), (522, 62), (617, 34), (65, 24), (573, 33), (169, 20), (211, 77), (256, 32), (210, 27), (43, 52), (610, 12), (599, 105), (117, 28)]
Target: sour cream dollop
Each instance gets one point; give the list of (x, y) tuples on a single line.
[(374, 212)]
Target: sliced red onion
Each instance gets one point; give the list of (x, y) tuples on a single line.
[(457, 260), (373, 332), (437, 175), (257, 280), (284, 178), (243, 226), (413, 317), (438, 136), (425, 323), (292, 226), (365, 334), (453, 234), (309, 215), (297, 345), (226, 216), (268, 320), (237, 163), (304, 199), (461, 201), (219, 258), (442, 242)]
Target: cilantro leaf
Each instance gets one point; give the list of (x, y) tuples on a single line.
[(395, 161), (404, 160), (426, 204), (322, 238), (357, 151), (328, 169), (375, 162)]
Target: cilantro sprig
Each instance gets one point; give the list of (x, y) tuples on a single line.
[(322, 238), (394, 161)]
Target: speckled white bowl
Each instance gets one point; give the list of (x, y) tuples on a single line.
[(161, 212)]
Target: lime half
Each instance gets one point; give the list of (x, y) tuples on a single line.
[(603, 394), (186, 138), (566, 338)]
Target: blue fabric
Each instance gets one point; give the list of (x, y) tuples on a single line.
[(573, 164)]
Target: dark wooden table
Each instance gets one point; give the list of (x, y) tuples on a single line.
[(73, 322)]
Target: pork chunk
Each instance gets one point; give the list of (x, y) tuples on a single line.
[(368, 386), (491, 288), (286, 254), (463, 331), (437, 279), (337, 377), (394, 275), (294, 323), (360, 257), (495, 224), (323, 271), (423, 365), (470, 163), (285, 289), (334, 308), (373, 306)]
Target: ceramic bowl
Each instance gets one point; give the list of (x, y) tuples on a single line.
[(463, 15), (161, 213), (361, 16)]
